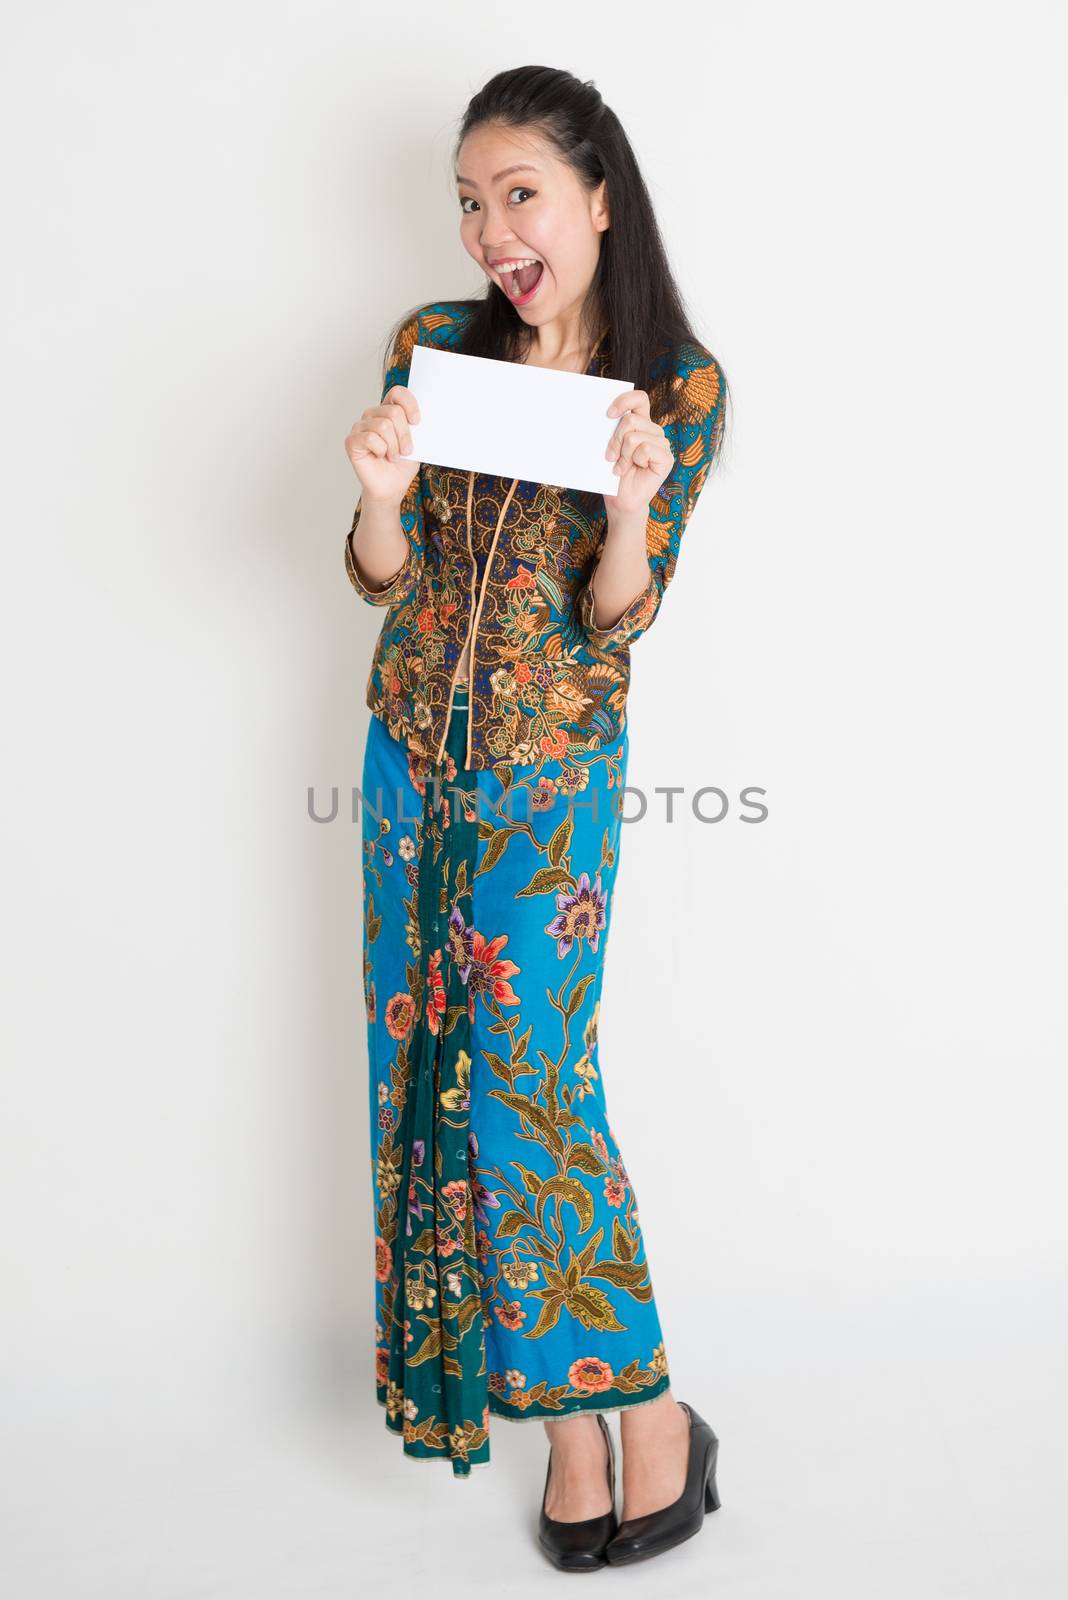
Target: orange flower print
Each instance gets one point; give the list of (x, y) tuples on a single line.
[(418, 771), (590, 1374), (522, 673), (435, 993), (543, 796), (510, 1315), (455, 1197), (383, 1259), (425, 619), (555, 744), (597, 1140), (382, 1365), (488, 974), (400, 1014), (524, 579), (616, 1183)]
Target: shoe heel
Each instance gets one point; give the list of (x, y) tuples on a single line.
[(712, 1501)]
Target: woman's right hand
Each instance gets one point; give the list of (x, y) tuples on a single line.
[(375, 443)]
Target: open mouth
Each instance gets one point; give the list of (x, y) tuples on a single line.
[(520, 284)]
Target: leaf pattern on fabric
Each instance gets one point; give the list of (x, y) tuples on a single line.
[(510, 1270)]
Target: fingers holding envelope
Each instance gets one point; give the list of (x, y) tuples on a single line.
[(640, 450), (376, 443)]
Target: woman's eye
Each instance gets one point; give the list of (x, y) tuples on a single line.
[(519, 189)]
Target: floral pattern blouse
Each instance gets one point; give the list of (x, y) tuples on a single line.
[(508, 565)]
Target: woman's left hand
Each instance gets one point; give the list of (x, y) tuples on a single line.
[(641, 450)]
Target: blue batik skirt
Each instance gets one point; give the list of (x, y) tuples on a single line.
[(510, 1272)]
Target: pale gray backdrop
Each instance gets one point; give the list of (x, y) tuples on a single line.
[(833, 1044)]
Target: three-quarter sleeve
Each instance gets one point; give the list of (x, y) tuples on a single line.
[(403, 582), (693, 428)]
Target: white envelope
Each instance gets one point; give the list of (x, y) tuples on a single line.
[(513, 421)]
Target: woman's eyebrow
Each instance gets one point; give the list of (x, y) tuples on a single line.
[(520, 166)]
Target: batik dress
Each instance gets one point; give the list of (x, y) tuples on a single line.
[(510, 1271)]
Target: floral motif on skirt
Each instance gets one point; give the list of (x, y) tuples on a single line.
[(510, 1271)]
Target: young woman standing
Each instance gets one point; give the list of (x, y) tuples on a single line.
[(511, 1276)]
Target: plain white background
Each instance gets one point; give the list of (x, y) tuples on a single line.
[(833, 1044)]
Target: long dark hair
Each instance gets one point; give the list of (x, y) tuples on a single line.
[(633, 294)]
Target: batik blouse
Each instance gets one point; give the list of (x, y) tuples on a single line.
[(508, 566)]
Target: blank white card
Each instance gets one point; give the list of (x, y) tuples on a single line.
[(513, 421)]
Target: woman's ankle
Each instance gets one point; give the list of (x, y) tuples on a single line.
[(653, 1415), (580, 1432)]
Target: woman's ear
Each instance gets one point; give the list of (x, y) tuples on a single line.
[(599, 207)]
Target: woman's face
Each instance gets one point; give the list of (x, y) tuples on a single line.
[(540, 212)]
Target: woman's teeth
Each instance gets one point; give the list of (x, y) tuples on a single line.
[(521, 278)]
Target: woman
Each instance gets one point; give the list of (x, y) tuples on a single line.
[(511, 1276)]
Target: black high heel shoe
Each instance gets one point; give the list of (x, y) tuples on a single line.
[(579, 1546), (638, 1537)]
